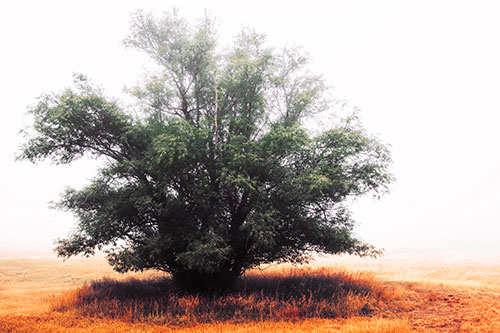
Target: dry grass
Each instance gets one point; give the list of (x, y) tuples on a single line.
[(59, 323), (288, 295), (26, 283), (438, 295), (446, 308), (87, 296)]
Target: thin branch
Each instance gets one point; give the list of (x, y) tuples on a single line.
[(216, 105)]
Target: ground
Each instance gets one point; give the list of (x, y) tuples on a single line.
[(425, 296)]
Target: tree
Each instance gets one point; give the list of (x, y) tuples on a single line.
[(217, 174)]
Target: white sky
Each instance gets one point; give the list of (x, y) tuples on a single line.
[(425, 74)]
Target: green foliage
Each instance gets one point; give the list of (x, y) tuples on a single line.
[(218, 174)]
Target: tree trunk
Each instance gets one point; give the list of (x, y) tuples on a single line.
[(204, 282)]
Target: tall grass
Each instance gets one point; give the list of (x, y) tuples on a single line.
[(281, 295)]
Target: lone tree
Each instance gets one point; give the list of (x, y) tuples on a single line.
[(218, 173)]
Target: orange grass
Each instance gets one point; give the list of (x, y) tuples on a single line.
[(61, 323), (281, 295), (405, 295)]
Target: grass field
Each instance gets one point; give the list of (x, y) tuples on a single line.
[(332, 295)]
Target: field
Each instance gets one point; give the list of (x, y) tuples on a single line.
[(330, 295)]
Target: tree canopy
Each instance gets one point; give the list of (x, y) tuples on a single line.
[(217, 173)]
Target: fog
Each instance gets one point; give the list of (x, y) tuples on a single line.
[(425, 76)]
